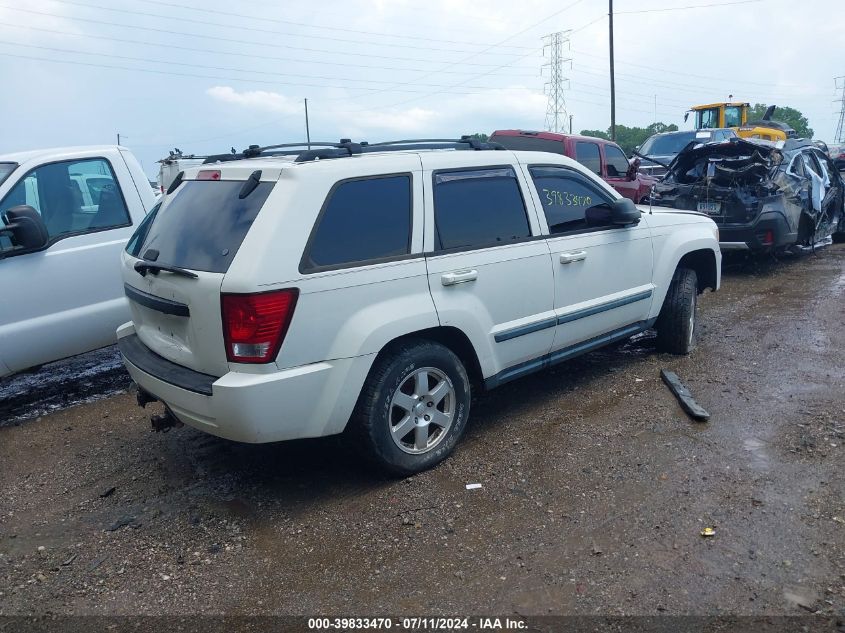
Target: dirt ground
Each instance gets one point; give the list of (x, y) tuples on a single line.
[(595, 489)]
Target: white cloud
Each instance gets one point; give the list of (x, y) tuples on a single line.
[(454, 115), (256, 100)]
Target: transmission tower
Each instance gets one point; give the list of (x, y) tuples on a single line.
[(554, 43), (839, 137)]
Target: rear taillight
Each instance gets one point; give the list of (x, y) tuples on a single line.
[(254, 325)]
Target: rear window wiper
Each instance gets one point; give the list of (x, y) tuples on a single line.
[(144, 267)]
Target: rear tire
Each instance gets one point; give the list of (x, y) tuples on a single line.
[(413, 408), (676, 322)]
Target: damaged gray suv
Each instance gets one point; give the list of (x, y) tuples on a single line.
[(764, 196)]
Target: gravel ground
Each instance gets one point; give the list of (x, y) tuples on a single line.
[(595, 489)]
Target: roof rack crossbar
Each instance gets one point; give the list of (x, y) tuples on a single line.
[(315, 150)]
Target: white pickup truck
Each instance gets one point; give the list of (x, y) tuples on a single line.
[(65, 216)]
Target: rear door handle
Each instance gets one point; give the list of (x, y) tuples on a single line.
[(574, 256), (459, 277)]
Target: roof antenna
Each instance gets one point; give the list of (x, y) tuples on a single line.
[(650, 199)]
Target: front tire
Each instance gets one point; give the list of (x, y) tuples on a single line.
[(413, 408), (676, 322)]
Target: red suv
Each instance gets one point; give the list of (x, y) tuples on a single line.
[(604, 158)]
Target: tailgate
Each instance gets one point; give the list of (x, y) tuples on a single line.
[(178, 318), (174, 265)]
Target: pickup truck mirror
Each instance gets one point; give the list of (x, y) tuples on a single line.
[(25, 228), (623, 212), (633, 168)]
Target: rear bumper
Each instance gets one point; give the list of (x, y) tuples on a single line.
[(768, 232), (308, 401)]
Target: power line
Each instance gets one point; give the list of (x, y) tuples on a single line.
[(510, 37), (253, 29), (195, 76), (239, 42), (230, 53), (403, 36), (677, 72), (556, 114), (693, 6), (225, 68)]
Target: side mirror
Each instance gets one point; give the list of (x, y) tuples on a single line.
[(26, 228), (623, 212), (637, 148), (633, 168)]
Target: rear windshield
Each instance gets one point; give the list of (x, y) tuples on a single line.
[(5, 170), (529, 144), (668, 145), (201, 225)]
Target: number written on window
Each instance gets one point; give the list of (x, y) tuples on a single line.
[(555, 197)]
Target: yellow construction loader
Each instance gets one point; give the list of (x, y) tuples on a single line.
[(734, 115)]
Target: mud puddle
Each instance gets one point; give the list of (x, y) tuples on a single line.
[(65, 383)]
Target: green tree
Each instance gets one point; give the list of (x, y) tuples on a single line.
[(629, 138), (479, 136), (596, 134), (792, 117)]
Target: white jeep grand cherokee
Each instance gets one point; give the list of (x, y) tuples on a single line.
[(370, 288)]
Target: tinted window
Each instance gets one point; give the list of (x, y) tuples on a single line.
[(60, 193), (201, 225), (667, 144), (733, 116), (569, 202), (478, 208), (529, 144), (363, 220), (5, 170), (617, 164), (588, 155), (140, 234)]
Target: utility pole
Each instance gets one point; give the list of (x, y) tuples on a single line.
[(307, 128), (839, 137), (571, 116), (612, 78), (556, 110)]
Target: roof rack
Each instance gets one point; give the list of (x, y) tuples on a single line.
[(310, 151)]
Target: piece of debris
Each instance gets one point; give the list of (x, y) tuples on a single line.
[(596, 550), (108, 492), (708, 531), (839, 519), (97, 562), (688, 403), (122, 522), (69, 560), (473, 486), (799, 600)]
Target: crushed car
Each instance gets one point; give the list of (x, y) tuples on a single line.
[(764, 196), (658, 150)]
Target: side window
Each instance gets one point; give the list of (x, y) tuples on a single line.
[(72, 197), (362, 220), (796, 167), (733, 117), (812, 164), (478, 208), (617, 163), (140, 234), (588, 155), (569, 201)]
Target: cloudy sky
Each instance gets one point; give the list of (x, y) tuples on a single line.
[(206, 75)]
